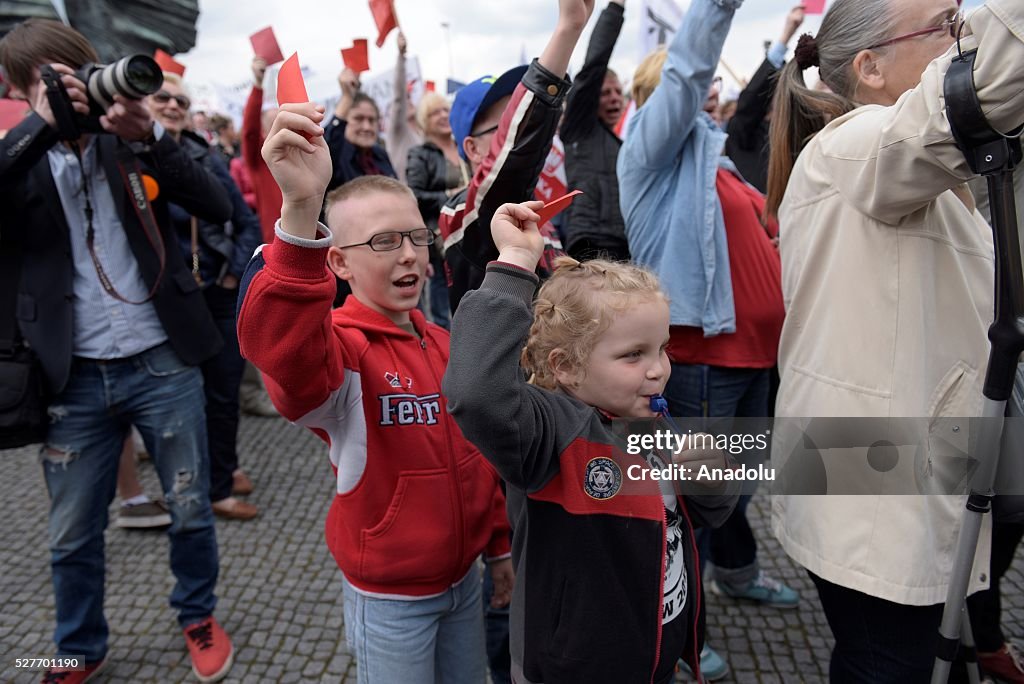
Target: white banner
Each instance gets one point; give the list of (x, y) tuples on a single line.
[(659, 21), (381, 87)]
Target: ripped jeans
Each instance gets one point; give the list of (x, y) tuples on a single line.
[(163, 398)]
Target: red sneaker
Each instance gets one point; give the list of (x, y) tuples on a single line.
[(210, 648), (1006, 664), (60, 675)]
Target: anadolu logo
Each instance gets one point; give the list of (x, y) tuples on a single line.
[(602, 479)]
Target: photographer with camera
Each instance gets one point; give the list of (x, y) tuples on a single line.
[(116, 319)]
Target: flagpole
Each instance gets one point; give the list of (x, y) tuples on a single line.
[(448, 42), (742, 82)]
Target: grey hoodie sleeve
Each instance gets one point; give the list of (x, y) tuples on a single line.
[(712, 510), (519, 428)]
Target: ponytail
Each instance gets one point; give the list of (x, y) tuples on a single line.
[(800, 112)]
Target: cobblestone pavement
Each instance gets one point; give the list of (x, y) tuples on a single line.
[(279, 589)]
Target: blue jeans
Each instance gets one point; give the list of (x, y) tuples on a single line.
[(163, 398), (438, 640), (694, 391)]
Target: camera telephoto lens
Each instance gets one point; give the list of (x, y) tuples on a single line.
[(133, 77), (141, 74)]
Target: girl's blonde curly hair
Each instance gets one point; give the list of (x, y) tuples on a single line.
[(574, 307)]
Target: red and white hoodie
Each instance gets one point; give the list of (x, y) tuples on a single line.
[(415, 502)]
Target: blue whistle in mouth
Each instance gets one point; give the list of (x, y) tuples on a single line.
[(659, 405)]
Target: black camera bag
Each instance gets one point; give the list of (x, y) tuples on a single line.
[(23, 416)]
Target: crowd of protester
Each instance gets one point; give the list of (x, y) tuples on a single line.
[(795, 252)]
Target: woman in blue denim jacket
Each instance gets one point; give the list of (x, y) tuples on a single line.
[(692, 219)]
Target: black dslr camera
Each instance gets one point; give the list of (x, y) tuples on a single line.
[(133, 77)]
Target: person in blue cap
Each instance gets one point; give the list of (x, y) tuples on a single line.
[(504, 128)]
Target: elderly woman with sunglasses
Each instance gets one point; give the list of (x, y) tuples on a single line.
[(887, 281), (218, 255)]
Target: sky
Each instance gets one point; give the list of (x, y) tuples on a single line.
[(483, 37)]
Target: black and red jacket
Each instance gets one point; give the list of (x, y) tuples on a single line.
[(587, 604), (415, 504), (519, 149)]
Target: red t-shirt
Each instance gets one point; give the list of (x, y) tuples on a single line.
[(756, 288)]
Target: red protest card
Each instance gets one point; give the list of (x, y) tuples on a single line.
[(290, 86), (168, 63), (264, 45), (356, 57), (554, 207), (814, 6), (385, 18), (431, 87)]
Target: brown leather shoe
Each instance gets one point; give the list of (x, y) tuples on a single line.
[(234, 509), (241, 485)]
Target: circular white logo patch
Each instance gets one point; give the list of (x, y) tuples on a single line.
[(603, 478)]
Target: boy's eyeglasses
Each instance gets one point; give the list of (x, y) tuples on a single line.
[(951, 26), (163, 97), (392, 239), (484, 132)]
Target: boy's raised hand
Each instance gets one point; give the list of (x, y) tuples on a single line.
[(300, 161), (515, 234)]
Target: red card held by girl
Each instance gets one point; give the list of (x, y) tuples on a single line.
[(556, 206), (814, 6)]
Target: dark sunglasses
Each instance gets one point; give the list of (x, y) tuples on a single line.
[(163, 97), (392, 239)]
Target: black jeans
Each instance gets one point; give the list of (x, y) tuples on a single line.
[(222, 377), (881, 642), (985, 607)]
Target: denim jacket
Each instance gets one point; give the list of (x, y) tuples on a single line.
[(667, 169)]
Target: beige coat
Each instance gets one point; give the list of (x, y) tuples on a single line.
[(887, 279)]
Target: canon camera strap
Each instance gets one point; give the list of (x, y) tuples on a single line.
[(131, 176)]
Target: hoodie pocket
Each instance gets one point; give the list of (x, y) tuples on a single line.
[(414, 541)]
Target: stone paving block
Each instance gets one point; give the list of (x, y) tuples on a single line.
[(280, 594)]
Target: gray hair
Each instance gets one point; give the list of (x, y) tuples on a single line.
[(849, 27)]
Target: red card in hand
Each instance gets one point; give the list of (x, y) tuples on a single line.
[(814, 6), (549, 210), (356, 57), (264, 45), (291, 88), (168, 63)]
